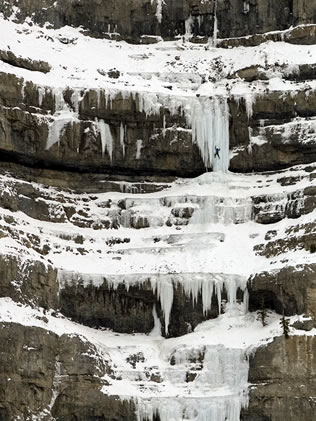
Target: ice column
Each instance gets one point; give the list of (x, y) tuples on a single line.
[(215, 24), (106, 137)]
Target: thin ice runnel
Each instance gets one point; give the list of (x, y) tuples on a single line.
[(159, 4), (122, 137), (215, 30)]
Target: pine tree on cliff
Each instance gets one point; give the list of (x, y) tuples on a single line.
[(285, 326), (262, 313)]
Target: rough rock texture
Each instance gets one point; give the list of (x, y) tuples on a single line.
[(51, 377), (283, 381), (28, 281), (44, 374), (24, 132), (297, 35), (141, 17), (271, 115), (291, 289)]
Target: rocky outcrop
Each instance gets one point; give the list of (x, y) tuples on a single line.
[(53, 377), (283, 381), (159, 142), (281, 132), (291, 290), (167, 18), (33, 65), (305, 34), (28, 281)]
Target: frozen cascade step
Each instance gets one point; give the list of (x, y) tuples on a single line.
[(214, 210), (218, 393)]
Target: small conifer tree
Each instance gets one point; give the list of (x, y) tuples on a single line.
[(262, 313), (285, 324)]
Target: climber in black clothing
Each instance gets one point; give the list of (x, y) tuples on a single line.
[(216, 154)]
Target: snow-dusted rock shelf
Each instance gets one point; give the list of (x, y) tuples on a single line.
[(185, 252), (157, 109)]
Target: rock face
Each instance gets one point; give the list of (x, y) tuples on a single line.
[(45, 375), (277, 133), (291, 290), (167, 18), (283, 383), (124, 291)]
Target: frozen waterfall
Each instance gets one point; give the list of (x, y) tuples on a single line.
[(218, 393), (209, 119)]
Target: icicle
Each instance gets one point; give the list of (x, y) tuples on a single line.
[(188, 27), (219, 297), (106, 137), (139, 147), (75, 99), (98, 97), (164, 125), (164, 289), (23, 89), (246, 301), (60, 104), (159, 4), (41, 94), (122, 136), (157, 325), (207, 294), (249, 101), (215, 31), (246, 7)]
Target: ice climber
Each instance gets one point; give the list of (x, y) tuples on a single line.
[(216, 154)]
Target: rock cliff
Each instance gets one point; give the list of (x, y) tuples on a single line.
[(157, 210)]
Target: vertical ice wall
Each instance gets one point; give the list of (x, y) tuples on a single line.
[(209, 119)]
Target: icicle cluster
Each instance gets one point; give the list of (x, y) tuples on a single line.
[(193, 284), (209, 119), (63, 115)]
